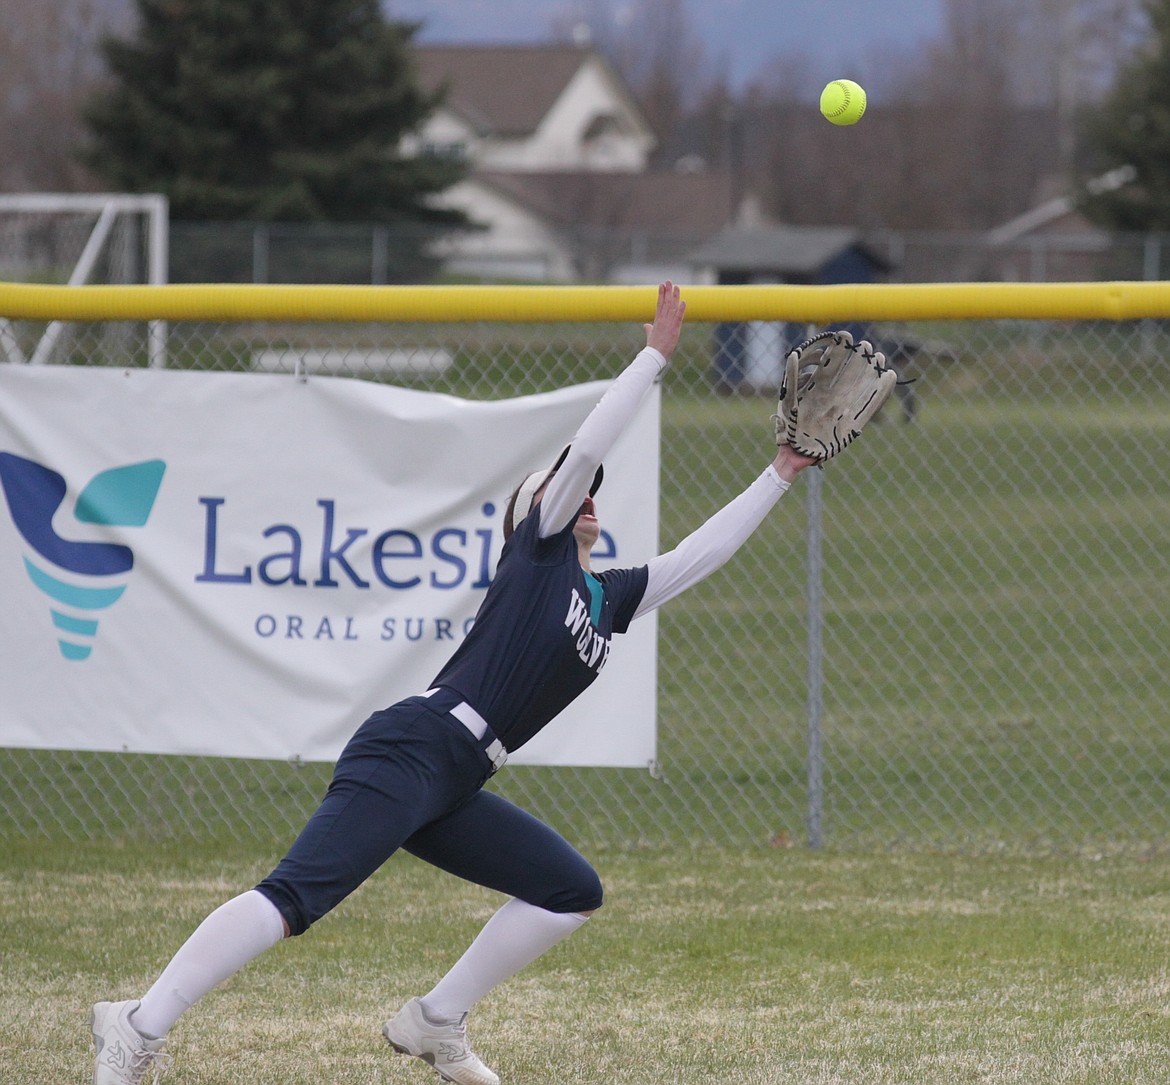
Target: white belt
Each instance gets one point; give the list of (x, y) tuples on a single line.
[(470, 719), (478, 726)]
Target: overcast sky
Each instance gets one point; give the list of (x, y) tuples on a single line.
[(833, 37)]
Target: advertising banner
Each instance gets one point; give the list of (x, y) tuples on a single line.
[(248, 565)]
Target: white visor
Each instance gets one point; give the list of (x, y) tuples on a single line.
[(526, 494)]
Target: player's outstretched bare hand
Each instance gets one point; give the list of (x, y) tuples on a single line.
[(663, 334)]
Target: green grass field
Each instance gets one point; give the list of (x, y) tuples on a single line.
[(993, 905), (775, 967)]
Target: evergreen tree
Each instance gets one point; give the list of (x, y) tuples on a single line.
[(268, 110), (1131, 127)]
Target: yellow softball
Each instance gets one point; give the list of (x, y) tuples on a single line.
[(843, 102)]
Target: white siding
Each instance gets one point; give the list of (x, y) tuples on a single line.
[(516, 243)]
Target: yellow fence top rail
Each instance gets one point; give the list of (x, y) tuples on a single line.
[(557, 304)]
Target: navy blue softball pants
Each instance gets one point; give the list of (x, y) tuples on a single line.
[(412, 777)]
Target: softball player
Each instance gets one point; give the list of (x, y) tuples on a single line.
[(412, 776)]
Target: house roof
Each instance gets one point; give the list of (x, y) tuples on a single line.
[(795, 250), (500, 89), (683, 204)]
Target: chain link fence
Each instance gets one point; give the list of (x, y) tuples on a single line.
[(45, 238), (355, 253), (953, 637)]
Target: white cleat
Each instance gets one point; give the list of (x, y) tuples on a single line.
[(124, 1055), (441, 1044)]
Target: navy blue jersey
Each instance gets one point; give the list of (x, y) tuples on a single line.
[(542, 634)]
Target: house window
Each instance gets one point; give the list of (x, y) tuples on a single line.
[(603, 127), (449, 152)]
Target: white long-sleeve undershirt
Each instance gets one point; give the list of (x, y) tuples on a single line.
[(709, 546), (569, 487), (705, 549)]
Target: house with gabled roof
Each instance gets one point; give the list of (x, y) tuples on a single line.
[(533, 108), (560, 186)]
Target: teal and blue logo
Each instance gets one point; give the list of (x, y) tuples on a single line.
[(80, 578)]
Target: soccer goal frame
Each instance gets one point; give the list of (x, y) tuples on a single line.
[(154, 211)]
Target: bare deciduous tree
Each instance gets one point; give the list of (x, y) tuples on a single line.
[(967, 132), (963, 133), (49, 64)]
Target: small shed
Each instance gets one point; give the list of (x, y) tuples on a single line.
[(747, 357)]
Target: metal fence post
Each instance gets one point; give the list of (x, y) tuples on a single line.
[(158, 271), (260, 254), (815, 625)]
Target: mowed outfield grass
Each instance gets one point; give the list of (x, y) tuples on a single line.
[(777, 967)]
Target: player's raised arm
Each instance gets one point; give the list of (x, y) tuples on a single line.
[(663, 334), (832, 387), (570, 485)]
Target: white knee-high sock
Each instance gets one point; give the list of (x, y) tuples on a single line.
[(234, 934), (512, 939)]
